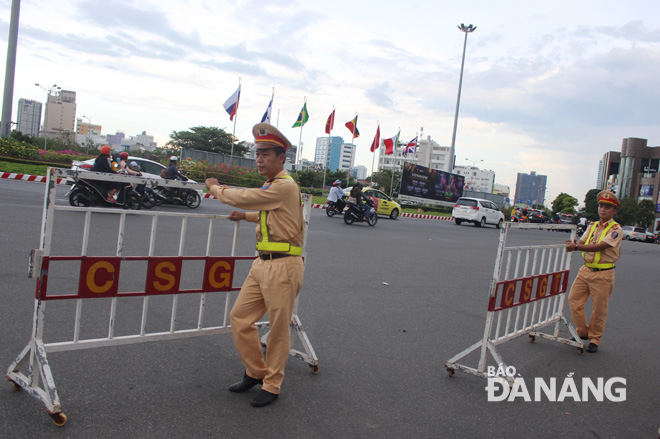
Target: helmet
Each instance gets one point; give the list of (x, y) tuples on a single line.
[(134, 166), (174, 158), (124, 155), (358, 185), (336, 183), (105, 150)]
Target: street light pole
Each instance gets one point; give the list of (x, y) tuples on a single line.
[(48, 92), (474, 161), (450, 162), (89, 128)]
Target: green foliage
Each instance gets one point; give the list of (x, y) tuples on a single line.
[(591, 205), (564, 203), (383, 180), (223, 172), (202, 138), (12, 148), (626, 213), (645, 214), (22, 168)]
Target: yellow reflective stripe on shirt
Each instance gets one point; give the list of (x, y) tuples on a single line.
[(281, 247), (595, 263)]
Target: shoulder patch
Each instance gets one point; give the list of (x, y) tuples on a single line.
[(615, 234)]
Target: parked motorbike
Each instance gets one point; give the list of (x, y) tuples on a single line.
[(180, 197), (355, 214), (335, 207), (89, 193)]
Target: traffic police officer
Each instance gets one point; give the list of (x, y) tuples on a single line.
[(276, 275), (601, 246)]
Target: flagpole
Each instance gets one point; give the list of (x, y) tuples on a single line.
[(233, 133), (348, 175), (394, 159), (300, 139), (327, 151), (277, 124), (373, 157)]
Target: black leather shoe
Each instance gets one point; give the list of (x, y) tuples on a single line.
[(245, 384), (593, 348), (263, 399)]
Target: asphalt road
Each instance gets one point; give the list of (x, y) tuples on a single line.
[(384, 308)]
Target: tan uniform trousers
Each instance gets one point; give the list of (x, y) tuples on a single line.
[(595, 284), (271, 287)]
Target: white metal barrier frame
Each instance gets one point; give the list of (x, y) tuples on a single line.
[(31, 372), (527, 294)]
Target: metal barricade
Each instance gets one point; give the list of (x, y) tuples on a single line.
[(527, 295), (99, 276)]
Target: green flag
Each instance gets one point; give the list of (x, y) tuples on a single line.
[(303, 117)]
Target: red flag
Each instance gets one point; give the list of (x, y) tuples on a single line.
[(330, 124), (376, 143), (352, 125), (391, 143)]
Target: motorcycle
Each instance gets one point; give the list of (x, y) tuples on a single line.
[(180, 197), (89, 193), (580, 230), (355, 214), (335, 207)]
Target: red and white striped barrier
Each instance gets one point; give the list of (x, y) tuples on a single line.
[(25, 177), (431, 217)]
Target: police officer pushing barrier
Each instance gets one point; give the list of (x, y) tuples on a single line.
[(276, 276), (601, 247)]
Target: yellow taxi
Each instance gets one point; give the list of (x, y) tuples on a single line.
[(383, 203)]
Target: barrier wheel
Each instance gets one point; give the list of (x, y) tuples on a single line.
[(532, 339), (580, 350), (315, 368), (59, 419), (16, 386), (451, 371)]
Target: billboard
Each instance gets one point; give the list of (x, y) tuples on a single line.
[(430, 185)]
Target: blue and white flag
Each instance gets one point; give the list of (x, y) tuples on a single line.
[(266, 117), (231, 104)]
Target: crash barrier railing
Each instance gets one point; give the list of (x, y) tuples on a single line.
[(169, 273), (527, 295)]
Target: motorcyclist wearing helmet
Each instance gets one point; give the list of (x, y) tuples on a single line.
[(172, 173), (103, 163), (123, 164), (336, 196), (356, 192)]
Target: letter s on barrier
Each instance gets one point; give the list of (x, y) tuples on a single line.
[(224, 270), (164, 272), (91, 273), (526, 290)]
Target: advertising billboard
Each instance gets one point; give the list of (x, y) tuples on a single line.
[(430, 186)]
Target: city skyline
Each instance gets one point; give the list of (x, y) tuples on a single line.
[(544, 89)]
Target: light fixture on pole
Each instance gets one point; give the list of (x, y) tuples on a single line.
[(450, 161), (48, 93), (473, 161)]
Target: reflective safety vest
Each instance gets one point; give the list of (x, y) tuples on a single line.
[(280, 247), (595, 263)]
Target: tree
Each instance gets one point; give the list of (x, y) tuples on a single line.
[(564, 203), (383, 180), (591, 205), (210, 139), (626, 213), (645, 214)]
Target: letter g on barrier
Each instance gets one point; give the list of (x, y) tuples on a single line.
[(218, 274)]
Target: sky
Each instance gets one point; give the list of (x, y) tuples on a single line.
[(548, 86)]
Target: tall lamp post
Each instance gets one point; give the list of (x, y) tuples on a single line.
[(89, 129), (48, 92), (450, 162), (474, 161)]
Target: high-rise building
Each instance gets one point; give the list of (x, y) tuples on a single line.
[(476, 179), (530, 189), (633, 172), (29, 117), (60, 114), (429, 154), (323, 151)]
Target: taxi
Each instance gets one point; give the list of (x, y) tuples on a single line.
[(383, 203)]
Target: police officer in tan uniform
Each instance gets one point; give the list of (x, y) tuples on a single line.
[(276, 275), (601, 246)]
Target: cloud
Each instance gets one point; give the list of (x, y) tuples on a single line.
[(380, 95)]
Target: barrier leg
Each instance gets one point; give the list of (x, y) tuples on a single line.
[(309, 356)]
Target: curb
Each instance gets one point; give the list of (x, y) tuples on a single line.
[(406, 215), (26, 177)]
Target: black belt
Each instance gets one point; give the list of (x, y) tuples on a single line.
[(600, 269), (269, 256)]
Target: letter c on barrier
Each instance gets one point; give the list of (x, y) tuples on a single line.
[(509, 293), (224, 278), (164, 272), (91, 273)]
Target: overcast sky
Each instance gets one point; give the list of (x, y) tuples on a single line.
[(548, 86)]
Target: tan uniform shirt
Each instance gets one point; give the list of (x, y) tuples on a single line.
[(280, 197), (613, 239)]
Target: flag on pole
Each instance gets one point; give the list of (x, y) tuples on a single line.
[(376, 143), (330, 124), (410, 148), (231, 104), (266, 117), (391, 143), (303, 117), (352, 125)]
